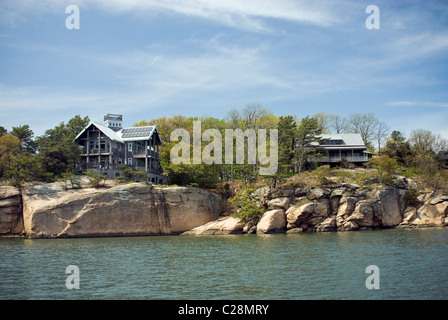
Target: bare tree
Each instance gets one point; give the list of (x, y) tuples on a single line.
[(337, 123), (425, 141), (381, 133), (252, 112), (323, 121), (364, 124), (234, 116)]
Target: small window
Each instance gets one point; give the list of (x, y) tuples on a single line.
[(129, 146), (130, 162)]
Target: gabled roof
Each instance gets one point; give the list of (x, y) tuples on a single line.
[(111, 134), (125, 134), (348, 139)]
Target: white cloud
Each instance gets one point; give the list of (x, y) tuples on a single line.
[(247, 14), (405, 103)]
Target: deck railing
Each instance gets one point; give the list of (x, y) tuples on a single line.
[(339, 158)]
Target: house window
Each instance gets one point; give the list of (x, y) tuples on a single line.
[(130, 162), (129, 146)]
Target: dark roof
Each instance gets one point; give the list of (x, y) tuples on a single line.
[(126, 134)]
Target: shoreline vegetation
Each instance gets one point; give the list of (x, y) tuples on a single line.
[(322, 200), (405, 183)]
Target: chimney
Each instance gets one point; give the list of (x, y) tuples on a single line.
[(113, 121)]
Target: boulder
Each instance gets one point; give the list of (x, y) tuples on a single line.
[(279, 203), (223, 225), (389, 198), (346, 207), (431, 213), (296, 216), (11, 218), (363, 215), (132, 209), (327, 225), (272, 221)]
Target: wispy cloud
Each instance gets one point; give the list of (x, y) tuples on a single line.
[(248, 14), (405, 103)]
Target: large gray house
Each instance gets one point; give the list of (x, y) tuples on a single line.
[(106, 145), (336, 147)]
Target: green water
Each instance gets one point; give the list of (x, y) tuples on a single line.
[(412, 264)]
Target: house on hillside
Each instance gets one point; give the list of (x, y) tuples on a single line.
[(106, 145), (337, 147)]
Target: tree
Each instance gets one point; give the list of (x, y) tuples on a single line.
[(9, 149), (337, 123), (398, 148), (16, 165), (3, 131), (307, 141), (323, 121), (426, 147), (364, 124), (386, 167), (58, 153), (287, 131), (380, 134), (26, 137), (234, 118), (424, 141), (251, 113)]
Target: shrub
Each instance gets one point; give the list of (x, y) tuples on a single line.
[(96, 180), (243, 207), (387, 167)]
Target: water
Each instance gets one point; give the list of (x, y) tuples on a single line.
[(412, 265)]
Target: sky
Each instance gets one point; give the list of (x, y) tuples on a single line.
[(154, 58)]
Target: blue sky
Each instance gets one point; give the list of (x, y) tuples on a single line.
[(147, 59)]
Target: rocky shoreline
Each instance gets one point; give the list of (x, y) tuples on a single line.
[(54, 211), (340, 207), (136, 209)]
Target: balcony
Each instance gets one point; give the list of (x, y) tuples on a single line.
[(364, 158)]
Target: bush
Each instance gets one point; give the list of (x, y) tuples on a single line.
[(316, 178), (243, 207), (387, 167), (96, 180)]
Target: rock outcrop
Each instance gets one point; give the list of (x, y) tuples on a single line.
[(49, 211), (52, 211), (221, 226), (346, 207), (11, 219)]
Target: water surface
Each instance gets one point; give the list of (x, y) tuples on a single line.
[(413, 264)]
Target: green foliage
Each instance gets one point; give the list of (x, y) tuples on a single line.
[(71, 178), (287, 129), (129, 174), (58, 153), (308, 132), (387, 167), (96, 180), (26, 137), (244, 207)]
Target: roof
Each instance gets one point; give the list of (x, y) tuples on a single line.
[(125, 134), (348, 139), (136, 133)]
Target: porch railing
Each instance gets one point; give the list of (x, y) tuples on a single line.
[(339, 158)]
